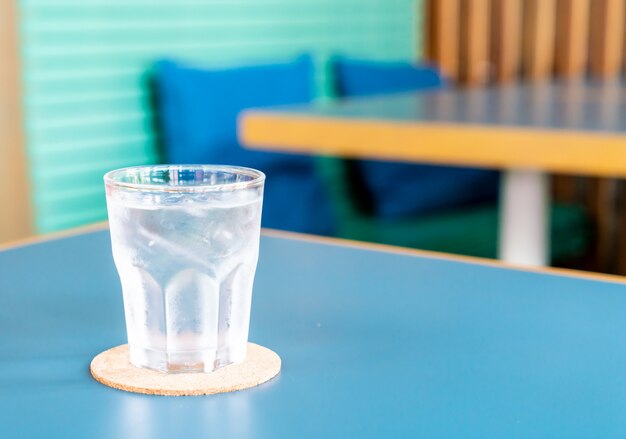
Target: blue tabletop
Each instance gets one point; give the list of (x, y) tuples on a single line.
[(373, 344), (580, 105)]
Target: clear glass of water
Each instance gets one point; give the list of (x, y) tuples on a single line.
[(185, 242)]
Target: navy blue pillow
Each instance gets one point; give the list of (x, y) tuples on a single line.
[(198, 111), (366, 78), (397, 189)]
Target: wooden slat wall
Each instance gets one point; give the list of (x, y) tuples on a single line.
[(14, 194), (529, 39), (536, 40)]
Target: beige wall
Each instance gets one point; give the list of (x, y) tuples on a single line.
[(15, 219)]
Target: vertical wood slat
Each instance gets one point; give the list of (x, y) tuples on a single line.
[(538, 38), (14, 194), (506, 39), (572, 30), (606, 38), (474, 44), (442, 35), (624, 46)]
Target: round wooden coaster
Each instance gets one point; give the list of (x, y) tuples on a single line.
[(113, 368)]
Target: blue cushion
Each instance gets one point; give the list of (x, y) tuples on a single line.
[(198, 113), (365, 78), (400, 190)]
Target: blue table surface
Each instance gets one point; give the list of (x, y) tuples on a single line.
[(373, 344), (584, 105)]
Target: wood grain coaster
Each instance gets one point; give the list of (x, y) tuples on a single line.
[(113, 368)]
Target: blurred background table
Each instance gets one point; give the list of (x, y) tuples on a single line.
[(528, 130), (375, 342)]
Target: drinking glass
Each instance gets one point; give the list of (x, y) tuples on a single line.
[(185, 242)]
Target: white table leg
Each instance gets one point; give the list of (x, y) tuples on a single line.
[(524, 217)]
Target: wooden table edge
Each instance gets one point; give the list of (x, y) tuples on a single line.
[(341, 242), (461, 144), (38, 239), (385, 248)]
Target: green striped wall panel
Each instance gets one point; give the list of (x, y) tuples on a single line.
[(86, 63)]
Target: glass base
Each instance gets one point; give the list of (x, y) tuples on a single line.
[(184, 362)]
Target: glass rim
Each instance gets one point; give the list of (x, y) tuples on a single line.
[(111, 178)]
